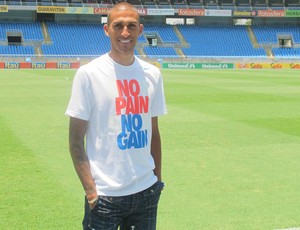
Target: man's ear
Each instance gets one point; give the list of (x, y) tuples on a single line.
[(105, 27), (141, 29)]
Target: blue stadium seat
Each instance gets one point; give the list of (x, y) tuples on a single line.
[(76, 39), (204, 41), (30, 31), (220, 41), (268, 34), (286, 53), (17, 50), (165, 32)]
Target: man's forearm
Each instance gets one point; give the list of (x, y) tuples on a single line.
[(82, 167), (156, 148), (156, 154), (80, 160)]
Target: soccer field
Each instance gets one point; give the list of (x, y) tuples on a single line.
[(231, 151)]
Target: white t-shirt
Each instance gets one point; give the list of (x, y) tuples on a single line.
[(118, 102)]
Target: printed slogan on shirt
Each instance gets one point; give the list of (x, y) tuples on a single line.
[(130, 105)]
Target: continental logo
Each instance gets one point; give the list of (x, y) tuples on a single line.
[(3, 8), (51, 9), (244, 13)]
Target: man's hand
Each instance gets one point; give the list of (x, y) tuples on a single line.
[(92, 201)]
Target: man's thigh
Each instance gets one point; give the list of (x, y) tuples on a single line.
[(145, 215), (107, 214)]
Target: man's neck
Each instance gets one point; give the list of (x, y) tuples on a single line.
[(124, 59)]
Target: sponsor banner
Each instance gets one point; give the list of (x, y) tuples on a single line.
[(237, 13), (160, 11), (218, 13), (198, 65), (142, 11), (51, 9), (12, 65), (157, 64), (63, 65), (216, 65), (3, 8), (270, 13), (101, 11), (39, 65), (295, 65), (79, 10), (292, 13), (104, 11), (268, 65), (25, 65), (75, 65), (51, 65), (179, 66), (191, 12)]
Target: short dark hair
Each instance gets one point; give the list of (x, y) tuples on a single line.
[(122, 6)]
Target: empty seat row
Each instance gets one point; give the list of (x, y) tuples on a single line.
[(203, 41)]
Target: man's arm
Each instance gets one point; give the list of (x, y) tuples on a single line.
[(77, 131), (156, 148)]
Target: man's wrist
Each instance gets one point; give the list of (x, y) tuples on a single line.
[(92, 201), (92, 197)]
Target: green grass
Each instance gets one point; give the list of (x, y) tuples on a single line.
[(231, 145)]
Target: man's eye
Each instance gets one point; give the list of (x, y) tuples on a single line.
[(118, 26), (132, 26)]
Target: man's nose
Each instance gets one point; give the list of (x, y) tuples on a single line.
[(125, 31)]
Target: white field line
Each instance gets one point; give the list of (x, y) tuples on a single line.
[(294, 228)]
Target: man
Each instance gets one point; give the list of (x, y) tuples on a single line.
[(115, 102)]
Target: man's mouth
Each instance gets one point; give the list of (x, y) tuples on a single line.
[(125, 41)]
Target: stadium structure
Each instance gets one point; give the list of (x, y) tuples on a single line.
[(178, 34)]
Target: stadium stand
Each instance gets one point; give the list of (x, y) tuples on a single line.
[(17, 50), (29, 31), (269, 34), (219, 41), (170, 41), (200, 41), (176, 4), (165, 32), (73, 39), (284, 53)]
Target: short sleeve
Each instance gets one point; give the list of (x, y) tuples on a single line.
[(159, 103), (81, 100)]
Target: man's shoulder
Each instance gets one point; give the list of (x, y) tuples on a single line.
[(147, 66), (96, 62)]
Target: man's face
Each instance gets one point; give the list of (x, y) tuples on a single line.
[(123, 30)]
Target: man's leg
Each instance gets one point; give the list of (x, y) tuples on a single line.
[(143, 217), (86, 217), (106, 215)]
